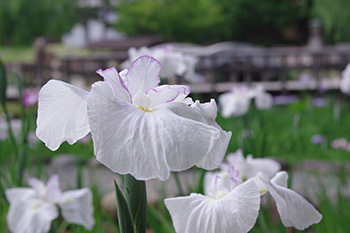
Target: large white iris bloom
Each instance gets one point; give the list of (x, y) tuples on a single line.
[(137, 127), (33, 209), (227, 206)]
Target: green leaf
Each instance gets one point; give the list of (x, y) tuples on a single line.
[(3, 84), (124, 217), (135, 195), (158, 221)]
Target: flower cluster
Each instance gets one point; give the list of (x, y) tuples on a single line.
[(33, 209), (232, 205), (237, 101), (141, 128)]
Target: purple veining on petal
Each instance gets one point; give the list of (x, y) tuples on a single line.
[(144, 56), (102, 72), (234, 177)]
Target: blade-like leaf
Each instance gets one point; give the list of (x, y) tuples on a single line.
[(135, 195), (3, 84), (124, 216)]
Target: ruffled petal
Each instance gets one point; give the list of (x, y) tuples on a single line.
[(293, 209), (147, 144), (114, 79), (62, 114), (237, 160), (267, 166), (236, 212), (167, 93), (143, 74), (217, 153), (76, 207), (31, 216)]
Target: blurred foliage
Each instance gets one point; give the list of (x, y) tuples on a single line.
[(208, 20), (21, 22), (335, 18), (180, 20)]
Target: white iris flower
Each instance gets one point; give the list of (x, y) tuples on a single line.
[(33, 209), (227, 206), (137, 127)]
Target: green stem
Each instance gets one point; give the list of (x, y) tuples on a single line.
[(136, 198), (10, 131), (178, 184)]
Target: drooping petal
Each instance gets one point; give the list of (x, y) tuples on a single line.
[(15, 195), (147, 144), (31, 216), (236, 212), (293, 209), (62, 114), (113, 78), (167, 93), (214, 158), (76, 207), (143, 74)]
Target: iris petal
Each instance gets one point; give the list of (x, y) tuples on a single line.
[(62, 114), (143, 75), (294, 210), (76, 207)]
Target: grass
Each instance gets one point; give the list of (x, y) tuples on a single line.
[(284, 132)]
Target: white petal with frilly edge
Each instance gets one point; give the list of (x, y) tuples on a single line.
[(62, 114), (294, 210), (147, 144), (236, 212), (143, 74)]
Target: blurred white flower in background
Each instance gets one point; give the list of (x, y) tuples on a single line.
[(237, 101), (173, 63), (344, 84), (33, 209)]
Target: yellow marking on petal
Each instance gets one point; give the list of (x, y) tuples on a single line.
[(145, 110), (263, 191)]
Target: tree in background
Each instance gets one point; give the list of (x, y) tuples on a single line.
[(335, 17), (21, 21), (179, 20)]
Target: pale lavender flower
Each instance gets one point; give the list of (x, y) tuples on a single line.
[(339, 143), (317, 139), (30, 98), (307, 79), (319, 102), (284, 99)]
